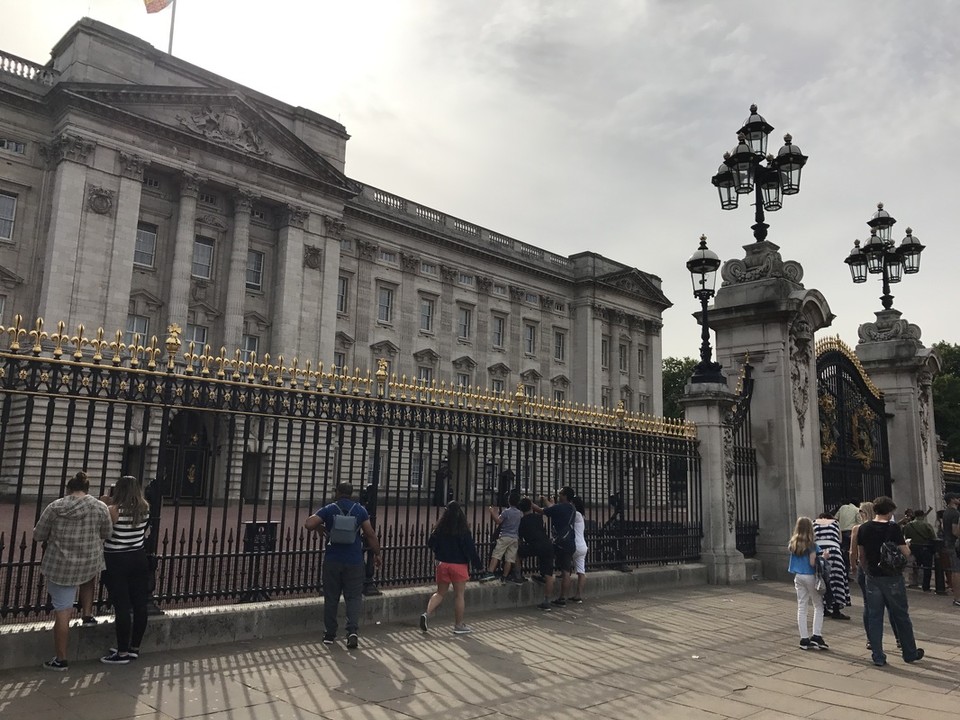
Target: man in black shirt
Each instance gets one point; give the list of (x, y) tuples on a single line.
[(885, 590), (535, 543)]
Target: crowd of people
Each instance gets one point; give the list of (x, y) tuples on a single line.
[(84, 537), (866, 543)]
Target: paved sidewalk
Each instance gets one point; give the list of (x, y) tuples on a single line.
[(690, 654)]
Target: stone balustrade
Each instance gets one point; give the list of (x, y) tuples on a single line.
[(13, 65), (498, 242)]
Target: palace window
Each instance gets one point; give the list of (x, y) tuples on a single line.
[(424, 375), (530, 339), (208, 198), (196, 334), (465, 279), (427, 308), (343, 288), (640, 362), (559, 397), (339, 362), (624, 360), (497, 387), (254, 270), (136, 325), (463, 380), (388, 256), (8, 213), (604, 353), (202, 257), (499, 289), (251, 346), (145, 249), (151, 181), (14, 146), (428, 268), (385, 304), (559, 346), (464, 322), (498, 330), (605, 398)]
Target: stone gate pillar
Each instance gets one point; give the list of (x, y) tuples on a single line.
[(709, 405), (903, 369), (763, 311)]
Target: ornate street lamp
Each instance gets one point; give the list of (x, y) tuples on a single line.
[(743, 171), (703, 266), (880, 255)]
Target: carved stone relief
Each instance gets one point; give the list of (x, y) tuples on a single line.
[(212, 221), (312, 257), (729, 482), (294, 216), (224, 127), (762, 262), (449, 274), (484, 283), (131, 166), (409, 263), (68, 147), (889, 326), (366, 249), (517, 293), (924, 382), (100, 200), (801, 343), (334, 226)]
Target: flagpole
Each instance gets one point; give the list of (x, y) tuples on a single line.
[(173, 20)]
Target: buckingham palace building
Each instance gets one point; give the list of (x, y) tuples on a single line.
[(139, 191)]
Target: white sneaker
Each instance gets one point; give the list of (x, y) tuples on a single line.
[(462, 629)]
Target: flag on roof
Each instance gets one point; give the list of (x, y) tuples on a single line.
[(154, 6)]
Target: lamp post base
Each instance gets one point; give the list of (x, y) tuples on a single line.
[(708, 372)]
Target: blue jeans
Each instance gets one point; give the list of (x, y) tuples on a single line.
[(862, 582), (342, 579), (889, 593)]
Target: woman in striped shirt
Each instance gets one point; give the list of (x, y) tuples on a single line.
[(127, 576)]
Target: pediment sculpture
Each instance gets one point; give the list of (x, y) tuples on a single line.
[(225, 127)]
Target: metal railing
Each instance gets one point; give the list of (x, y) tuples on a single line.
[(745, 466), (238, 453)]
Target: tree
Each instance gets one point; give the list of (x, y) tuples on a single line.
[(676, 374), (946, 399)]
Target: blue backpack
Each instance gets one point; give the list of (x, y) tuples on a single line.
[(345, 527)]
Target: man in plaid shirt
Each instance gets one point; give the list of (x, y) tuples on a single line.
[(72, 529)]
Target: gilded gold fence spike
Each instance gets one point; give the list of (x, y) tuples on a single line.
[(307, 375), (520, 396), (172, 343), (16, 332), (237, 364), (58, 339), (221, 361), (37, 335), (293, 373), (205, 360), (191, 357), (621, 411), (151, 352), (117, 346), (98, 344), (136, 350)]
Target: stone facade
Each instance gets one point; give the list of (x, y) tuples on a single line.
[(137, 190)]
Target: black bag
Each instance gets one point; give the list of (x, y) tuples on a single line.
[(892, 561)]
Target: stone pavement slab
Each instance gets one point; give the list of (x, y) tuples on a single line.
[(706, 652)]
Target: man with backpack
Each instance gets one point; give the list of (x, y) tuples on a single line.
[(342, 522), (883, 555)]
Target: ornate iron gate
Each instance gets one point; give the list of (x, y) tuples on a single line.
[(853, 428), (743, 470)]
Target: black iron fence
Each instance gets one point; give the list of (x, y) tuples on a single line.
[(745, 467), (237, 453)]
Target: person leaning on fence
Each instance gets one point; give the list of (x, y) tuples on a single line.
[(535, 543), (951, 531), (455, 551), (562, 515), (826, 531), (72, 529), (342, 523), (508, 542), (885, 588), (580, 549), (847, 516), (803, 563), (127, 576)]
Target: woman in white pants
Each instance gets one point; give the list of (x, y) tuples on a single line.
[(580, 552), (803, 562)]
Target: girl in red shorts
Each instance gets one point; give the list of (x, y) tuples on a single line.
[(453, 546)]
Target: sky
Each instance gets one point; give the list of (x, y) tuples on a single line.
[(596, 125)]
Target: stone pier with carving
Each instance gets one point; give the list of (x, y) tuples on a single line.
[(903, 369), (763, 311)]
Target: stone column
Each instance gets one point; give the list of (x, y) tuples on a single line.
[(69, 154), (183, 251), (329, 245), (764, 310), (655, 363), (237, 277), (120, 278), (290, 286), (709, 405), (903, 369)]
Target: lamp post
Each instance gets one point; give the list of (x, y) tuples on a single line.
[(743, 171), (881, 256), (703, 266)]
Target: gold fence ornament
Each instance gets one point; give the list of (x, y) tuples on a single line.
[(38, 336), (58, 339), (173, 343)]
